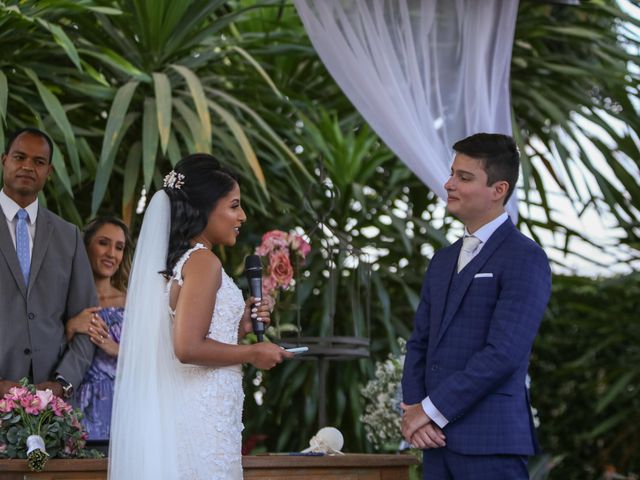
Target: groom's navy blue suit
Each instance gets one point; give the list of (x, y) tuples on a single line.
[(472, 337)]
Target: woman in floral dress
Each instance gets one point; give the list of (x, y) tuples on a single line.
[(109, 249)]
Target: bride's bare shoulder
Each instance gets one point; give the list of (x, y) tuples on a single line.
[(202, 264)]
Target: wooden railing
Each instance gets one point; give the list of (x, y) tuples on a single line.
[(271, 467)]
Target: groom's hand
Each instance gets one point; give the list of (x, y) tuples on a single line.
[(413, 419), (429, 436)]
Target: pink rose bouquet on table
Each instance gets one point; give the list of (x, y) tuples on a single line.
[(279, 248), (35, 424)]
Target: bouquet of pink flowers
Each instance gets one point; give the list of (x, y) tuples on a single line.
[(35, 424), (279, 247)]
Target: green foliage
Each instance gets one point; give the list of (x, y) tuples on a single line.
[(25, 412), (574, 90), (141, 82), (354, 202), (127, 87), (585, 374)]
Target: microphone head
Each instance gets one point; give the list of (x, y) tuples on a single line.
[(253, 266)]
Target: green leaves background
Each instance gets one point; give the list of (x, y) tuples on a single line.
[(127, 87)]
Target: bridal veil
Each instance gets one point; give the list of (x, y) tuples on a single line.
[(147, 396)]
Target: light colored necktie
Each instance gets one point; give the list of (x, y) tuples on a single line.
[(22, 243), (469, 245)]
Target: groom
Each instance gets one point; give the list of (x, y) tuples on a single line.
[(482, 300)]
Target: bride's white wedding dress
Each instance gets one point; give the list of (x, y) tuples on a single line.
[(209, 427), (172, 421)]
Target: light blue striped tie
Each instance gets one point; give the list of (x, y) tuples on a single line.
[(22, 244)]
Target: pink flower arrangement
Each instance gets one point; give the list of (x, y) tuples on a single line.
[(278, 247), (35, 424)]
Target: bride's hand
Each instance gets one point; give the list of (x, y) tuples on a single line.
[(261, 311), (268, 355)]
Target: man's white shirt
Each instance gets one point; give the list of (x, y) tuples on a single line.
[(10, 208)]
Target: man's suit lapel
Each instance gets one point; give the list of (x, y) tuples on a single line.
[(444, 276), (9, 252), (468, 273), (44, 228)]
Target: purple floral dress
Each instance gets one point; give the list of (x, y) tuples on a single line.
[(95, 394)]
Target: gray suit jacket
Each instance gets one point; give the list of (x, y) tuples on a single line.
[(32, 319)]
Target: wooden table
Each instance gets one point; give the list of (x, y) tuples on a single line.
[(85, 469), (338, 467), (262, 467)]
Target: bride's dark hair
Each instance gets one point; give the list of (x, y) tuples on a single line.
[(204, 183)]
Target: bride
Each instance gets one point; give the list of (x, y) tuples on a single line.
[(178, 395)]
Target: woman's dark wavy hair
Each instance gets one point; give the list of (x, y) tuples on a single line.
[(205, 183), (120, 279)]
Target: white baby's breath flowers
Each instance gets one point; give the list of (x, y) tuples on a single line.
[(383, 395)]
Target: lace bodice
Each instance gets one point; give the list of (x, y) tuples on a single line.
[(229, 302), (210, 423)]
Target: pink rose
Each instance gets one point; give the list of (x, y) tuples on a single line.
[(280, 268), (299, 245), (3, 447), (45, 397), (6, 405), (272, 241)]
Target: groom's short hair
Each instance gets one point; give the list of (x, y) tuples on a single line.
[(498, 154)]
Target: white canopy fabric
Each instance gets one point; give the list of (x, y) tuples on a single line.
[(423, 73)]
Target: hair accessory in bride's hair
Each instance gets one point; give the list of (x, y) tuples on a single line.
[(173, 180)]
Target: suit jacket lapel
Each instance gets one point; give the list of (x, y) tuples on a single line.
[(44, 228), (467, 273), (441, 287), (9, 252)]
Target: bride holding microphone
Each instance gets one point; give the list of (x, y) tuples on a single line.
[(178, 398)]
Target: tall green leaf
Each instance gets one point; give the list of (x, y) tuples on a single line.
[(55, 109), (4, 93), (243, 141), (149, 140), (116, 126), (162, 88), (200, 101)]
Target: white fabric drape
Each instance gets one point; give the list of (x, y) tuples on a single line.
[(148, 392), (423, 73)]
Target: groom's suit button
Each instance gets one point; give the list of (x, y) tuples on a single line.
[(31, 316), (434, 367), (27, 351)]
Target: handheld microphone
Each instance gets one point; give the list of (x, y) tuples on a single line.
[(253, 272)]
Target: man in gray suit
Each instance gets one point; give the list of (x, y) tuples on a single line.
[(45, 276)]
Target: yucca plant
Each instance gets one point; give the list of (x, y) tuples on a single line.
[(574, 82), (38, 71), (142, 83), (179, 67)]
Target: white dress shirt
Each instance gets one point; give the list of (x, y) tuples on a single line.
[(10, 209), (483, 234)]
